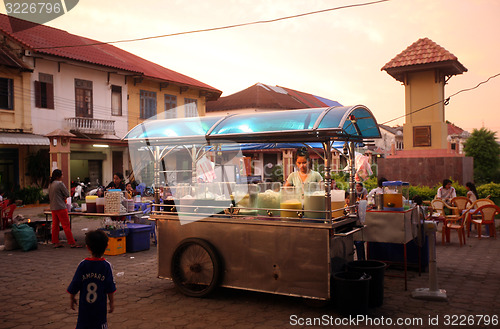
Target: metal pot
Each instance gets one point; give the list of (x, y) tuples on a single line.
[(379, 201)]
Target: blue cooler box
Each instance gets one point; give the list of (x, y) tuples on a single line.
[(138, 237)]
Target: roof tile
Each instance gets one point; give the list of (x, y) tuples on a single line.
[(261, 96), (43, 39), (422, 51)]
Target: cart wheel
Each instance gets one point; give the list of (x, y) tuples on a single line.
[(195, 268)]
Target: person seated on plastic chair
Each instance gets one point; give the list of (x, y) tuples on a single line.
[(140, 188), (446, 192)]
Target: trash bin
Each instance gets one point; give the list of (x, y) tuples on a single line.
[(376, 270), (350, 292)]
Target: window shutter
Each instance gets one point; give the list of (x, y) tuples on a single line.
[(421, 136), (38, 94), (50, 95)]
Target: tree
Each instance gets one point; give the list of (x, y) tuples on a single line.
[(485, 150)]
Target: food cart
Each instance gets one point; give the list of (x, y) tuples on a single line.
[(221, 243)]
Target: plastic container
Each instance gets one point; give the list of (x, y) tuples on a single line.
[(290, 199), (338, 202), (376, 270), (91, 200), (314, 199), (138, 238), (351, 292), (115, 233), (269, 198), (99, 205), (245, 196), (113, 201), (129, 204), (393, 195), (116, 246)]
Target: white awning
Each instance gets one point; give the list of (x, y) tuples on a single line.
[(23, 139)]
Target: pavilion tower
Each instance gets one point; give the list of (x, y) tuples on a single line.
[(424, 68)]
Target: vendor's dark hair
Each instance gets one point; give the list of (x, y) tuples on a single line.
[(56, 174), (96, 241), (302, 152), (446, 182), (472, 187), (380, 181), (120, 175)]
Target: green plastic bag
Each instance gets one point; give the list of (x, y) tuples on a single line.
[(25, 237)]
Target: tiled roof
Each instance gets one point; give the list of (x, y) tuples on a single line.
[(261, 96), (424, 54), (392, 130), (45, 40), (454, 130)]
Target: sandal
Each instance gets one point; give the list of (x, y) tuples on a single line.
[(75, 246), (58, 245)]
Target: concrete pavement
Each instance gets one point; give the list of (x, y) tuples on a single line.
[(33, 293)]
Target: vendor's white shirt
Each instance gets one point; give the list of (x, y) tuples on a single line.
[(378, 190)]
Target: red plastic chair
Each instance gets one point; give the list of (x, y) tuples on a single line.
[(488, 213), (7, 214), (4, 204)]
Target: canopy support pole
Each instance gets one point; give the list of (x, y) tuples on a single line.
[(352, 181), (156, 169), (328, 181)]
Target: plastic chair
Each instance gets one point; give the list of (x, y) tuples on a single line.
[(461, 202), (439, 205), (481, 202), (475, 205), (458, 224), (488, 213), (7, 214), (4, 204)]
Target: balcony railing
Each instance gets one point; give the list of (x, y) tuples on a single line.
[(91, 126)]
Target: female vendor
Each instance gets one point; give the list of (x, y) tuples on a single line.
[(304, 174)]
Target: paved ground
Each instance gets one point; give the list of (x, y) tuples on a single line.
[(33, 293)]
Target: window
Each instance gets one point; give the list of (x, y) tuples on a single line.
[(191, 107), (44, 91), (116, 100), (83, 98), (422, 136), (148, 104), (6, 94), (170, 106)]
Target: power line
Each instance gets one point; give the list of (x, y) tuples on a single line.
[(445, 101), (220, 27)]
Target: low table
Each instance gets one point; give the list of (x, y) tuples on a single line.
[(48, 213)]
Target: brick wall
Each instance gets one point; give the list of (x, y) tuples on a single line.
[(426, 170)]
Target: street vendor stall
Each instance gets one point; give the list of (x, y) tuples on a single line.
[(397, 228), (216, 232)]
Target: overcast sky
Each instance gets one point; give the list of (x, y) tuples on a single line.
[(337, 54)]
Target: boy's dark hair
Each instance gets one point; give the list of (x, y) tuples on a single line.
[(418, 200), (96, 241)]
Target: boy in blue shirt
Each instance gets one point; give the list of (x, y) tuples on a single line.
[(94, 280)]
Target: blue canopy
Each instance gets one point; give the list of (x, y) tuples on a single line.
[(341, 123)]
